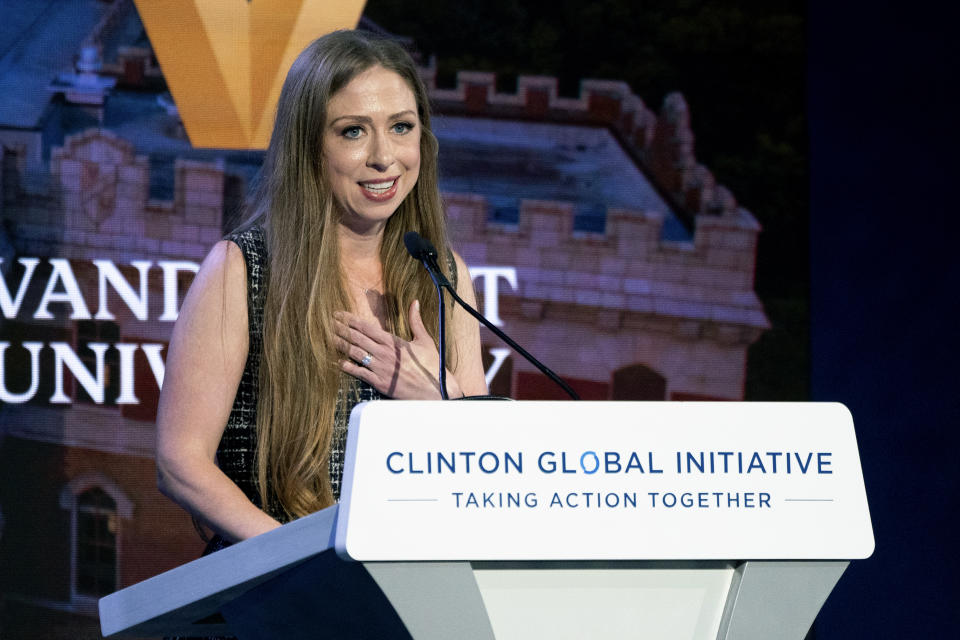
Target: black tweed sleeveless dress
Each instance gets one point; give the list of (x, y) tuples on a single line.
[(237, 449)]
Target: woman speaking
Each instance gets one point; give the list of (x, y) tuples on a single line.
[(313, 305)]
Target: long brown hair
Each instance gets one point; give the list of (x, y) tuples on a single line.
[(299, 374)]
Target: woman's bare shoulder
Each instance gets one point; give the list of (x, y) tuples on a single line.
[(213, 317), (222, 275)]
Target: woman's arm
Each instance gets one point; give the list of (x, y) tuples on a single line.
[(407, 370), (205, 361)]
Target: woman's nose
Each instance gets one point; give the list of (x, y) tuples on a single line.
[(380, 155)]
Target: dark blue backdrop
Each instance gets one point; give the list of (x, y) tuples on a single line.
[(884, 234)]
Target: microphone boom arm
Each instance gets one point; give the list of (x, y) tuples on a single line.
[(441, 281), (421, 249)]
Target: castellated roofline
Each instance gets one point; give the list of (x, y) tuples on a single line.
[(663, 145), (725, 243), (98, 205), (705, 284)]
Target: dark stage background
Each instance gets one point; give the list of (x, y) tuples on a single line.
[(884, 167)]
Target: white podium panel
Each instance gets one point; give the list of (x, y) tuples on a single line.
[(602, 481), (667, 604)]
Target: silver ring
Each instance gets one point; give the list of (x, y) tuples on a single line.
[(367, 359)]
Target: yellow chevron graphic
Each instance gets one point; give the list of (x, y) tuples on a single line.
[(225, 60)]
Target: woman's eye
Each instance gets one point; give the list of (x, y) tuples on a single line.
[(402, 127), (352, 132)]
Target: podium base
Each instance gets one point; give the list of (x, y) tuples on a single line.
[(322, 597)]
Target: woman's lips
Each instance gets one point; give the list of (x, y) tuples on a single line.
[(379, 190)]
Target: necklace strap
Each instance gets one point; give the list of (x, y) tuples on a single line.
[(366, 289)]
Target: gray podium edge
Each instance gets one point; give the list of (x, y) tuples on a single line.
[(178, 601), (187, 600), (445, 604), (777, 599)]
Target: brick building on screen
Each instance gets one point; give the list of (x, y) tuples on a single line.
[(623, 265)]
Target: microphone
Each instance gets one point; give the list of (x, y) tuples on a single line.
[(418, 246), (420, 249)]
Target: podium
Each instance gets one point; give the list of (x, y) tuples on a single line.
[(728, 521)]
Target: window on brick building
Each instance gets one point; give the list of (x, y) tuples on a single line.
[(638, 382), (96, 543), (97, 507)]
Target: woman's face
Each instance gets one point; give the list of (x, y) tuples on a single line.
[(371, 147)]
